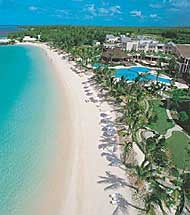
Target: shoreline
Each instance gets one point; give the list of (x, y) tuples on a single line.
[(82, 162)]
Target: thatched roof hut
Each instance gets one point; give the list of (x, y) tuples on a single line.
[(114, 55)]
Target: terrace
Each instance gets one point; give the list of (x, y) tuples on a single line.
[(149, 58)]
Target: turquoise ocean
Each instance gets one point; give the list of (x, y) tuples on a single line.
[(29, 109)]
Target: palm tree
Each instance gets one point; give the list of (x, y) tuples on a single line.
[(144, 173), (142, 55), (155, 199), (172, 66), (158, 71), (155, 151), (182, 189), (126, 149)]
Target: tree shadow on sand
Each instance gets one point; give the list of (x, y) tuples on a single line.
[(113, 159), (106, 121), (114, 182), (123, 206), (108, 143)]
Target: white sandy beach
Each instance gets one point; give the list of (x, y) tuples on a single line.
[(80, 162)]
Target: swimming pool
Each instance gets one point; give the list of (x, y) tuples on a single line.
[(96, 65), (133, 72), (160, 79), (139, 69)]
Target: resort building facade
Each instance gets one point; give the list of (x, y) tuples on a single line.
[(183, 53), (29, 39), (146, 49), (139, 43), (111, 38)]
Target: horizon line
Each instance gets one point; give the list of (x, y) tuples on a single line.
[(116, 26)]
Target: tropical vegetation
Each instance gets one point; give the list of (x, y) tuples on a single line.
[(175, 34)]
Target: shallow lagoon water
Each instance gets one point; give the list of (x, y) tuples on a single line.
[(28, 115)]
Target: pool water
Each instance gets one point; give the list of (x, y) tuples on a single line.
[(133, 72), (96, 65), (139, 69), (160, 79)]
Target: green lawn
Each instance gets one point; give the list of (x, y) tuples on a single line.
[(177, 145), (161, 123)]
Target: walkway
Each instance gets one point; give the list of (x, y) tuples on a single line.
[(171, 130), (175, 128)]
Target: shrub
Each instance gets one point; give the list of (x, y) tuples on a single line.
[(183, 116)]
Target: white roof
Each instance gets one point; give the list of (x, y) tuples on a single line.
[(110, 36), (28, 38), (143, 37), (125, 39), (171, 43), (161, 44), (4, 40)]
